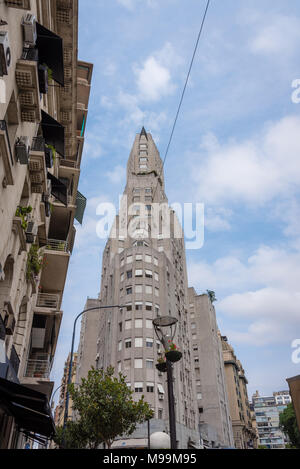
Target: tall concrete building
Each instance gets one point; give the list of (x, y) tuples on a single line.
[(267, 411), (44, 95), (60, 408), (245, 436), (212, 401), (145, 271)]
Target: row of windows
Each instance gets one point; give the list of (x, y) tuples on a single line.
[(139, 364), (139, 257), (138, 190), (140, 288), (139, 305), (139, 273), (139, 387), (139, 342)]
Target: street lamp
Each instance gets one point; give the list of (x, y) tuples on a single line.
[(71, 356), (165, 329)]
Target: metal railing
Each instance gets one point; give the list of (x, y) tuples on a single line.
[(38, 368), (57, 245), (48, 300), (38, 144)]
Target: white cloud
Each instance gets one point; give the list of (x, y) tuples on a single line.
[(267, 294), (154, 77), (216, 219), (92, 146), (253, 171), (134, 114), (131, 4), (117, 176), (280, 36)]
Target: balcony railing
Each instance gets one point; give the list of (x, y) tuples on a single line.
[(38, 368), (47, 300), (57, 245)]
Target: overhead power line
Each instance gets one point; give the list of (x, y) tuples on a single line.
[(184, 90)]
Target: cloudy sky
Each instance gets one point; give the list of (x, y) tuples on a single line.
[(236, 149)]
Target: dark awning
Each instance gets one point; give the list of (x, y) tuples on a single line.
[(58, 189), (50, 47), (29, 408), (80, 207), (53, 133)]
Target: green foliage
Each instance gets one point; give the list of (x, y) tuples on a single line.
[(53, 150), (34, 262), (74, 436), (212, 295), (288, 424), (23, 212), (106, 408)]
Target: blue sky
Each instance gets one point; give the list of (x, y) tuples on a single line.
[(237, 139)]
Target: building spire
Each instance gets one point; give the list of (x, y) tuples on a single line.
[(144, 133)]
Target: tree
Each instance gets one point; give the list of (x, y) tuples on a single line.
[(288, 424), (73, 437), (212, 295), (106, 408)]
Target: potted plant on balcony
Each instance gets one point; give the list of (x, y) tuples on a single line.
[(34, 263), (23, 212), (161, 365), (172, 353)]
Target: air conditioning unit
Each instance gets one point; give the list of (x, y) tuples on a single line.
[(5, 53), (31, 232), (161, 397), (22, 148), (29, 27)]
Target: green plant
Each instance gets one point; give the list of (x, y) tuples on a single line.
[(34, 262), (171, 346), (288, 424), (23, 212), (212, 295), (161, 360), (51, 147)]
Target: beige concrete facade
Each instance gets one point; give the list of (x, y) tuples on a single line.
[(212, 401), (60, 408), (245, 436), (31, 292)]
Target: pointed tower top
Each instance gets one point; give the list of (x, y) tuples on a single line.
[(144, 133)]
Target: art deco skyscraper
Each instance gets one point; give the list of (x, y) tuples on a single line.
[(145, 270)]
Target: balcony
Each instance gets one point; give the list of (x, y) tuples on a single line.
[(22, 4), (6, 153), (37, 170), (56, 257), (27, 79), (38, 368), (14, 360), (48, 301)]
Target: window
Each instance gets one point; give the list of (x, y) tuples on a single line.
[(149, 364), (143, 159), (143, 146), (156, 276), (194, 336), (119, 367), (129, 290), (137, 190), (160, 249), (150, 387), (138, 363), (120, 327), (138, 324), (149, 343), (136, 199), (148, 306), (138, 342), (129, 274), (129, 259), (122, 277), (138, 387), (199, 395), (128, 343), (138, 306), (156, 291), (195, 348), (138, 273), (160, 414), (196, 359), (193, 326), (120, 346), (128, 325), (155, 261), (148, 198), (149, 324), (129, 307), (139, 289), (139, 257), (127, 364), (148, 190), (143, 166), (148, 273), (148, 289), (148, 258)]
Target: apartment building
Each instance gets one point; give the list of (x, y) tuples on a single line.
[(244, 432), (215, 422), (44, 95), (145, 272), (60, 408), (267, 411)]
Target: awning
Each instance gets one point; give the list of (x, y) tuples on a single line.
[(53, 133), (80, 207), (58, 189), (160, 389), (29, 408), (50, 47)]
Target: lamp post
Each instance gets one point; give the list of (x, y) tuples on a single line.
[(165, 329), (71, 356)]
